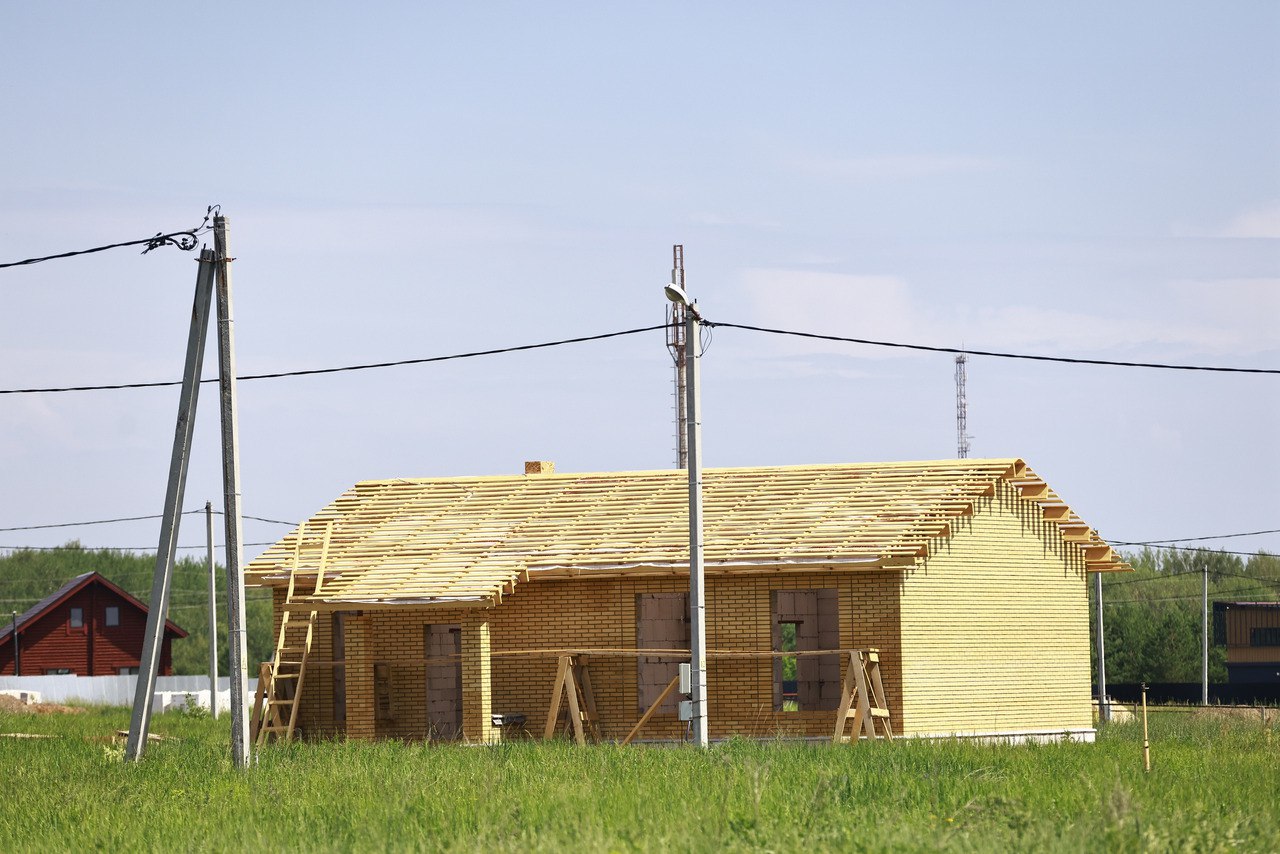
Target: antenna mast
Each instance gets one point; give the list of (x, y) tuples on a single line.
[(962, 410), (676, 344)]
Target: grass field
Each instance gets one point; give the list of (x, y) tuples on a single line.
[(1214, 786)]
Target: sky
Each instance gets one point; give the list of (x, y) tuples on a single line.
[(406, 180)]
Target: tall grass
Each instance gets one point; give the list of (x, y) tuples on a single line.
[(1213, 787)]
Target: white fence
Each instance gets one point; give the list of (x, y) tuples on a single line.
[(171, 691)]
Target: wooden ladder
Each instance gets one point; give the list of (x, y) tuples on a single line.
[(573, 680), (862, 699), (280, 681)]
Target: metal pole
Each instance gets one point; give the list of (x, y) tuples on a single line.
[(1104, 707), (158, 606), (213, 612), (237, 640), (697, 591), (17, 653), (1204, 637)]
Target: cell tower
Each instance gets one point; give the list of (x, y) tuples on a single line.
[(962, 410), (676, 344)]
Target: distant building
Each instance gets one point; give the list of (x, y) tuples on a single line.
[(88, 627), (1251, 633)]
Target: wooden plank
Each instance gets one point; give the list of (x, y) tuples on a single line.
[(575, 713), (846, 699), (671, 686), (554, 711)]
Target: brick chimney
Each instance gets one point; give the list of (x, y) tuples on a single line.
[(539, 467)]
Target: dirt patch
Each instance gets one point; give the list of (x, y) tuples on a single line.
[(14, 706)]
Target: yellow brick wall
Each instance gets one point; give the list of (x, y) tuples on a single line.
[(995, 627), (553, 615)]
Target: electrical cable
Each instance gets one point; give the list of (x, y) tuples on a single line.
[(1197, 539), (150, 548), (345, 368), (184, 240), (1186, 548), (971, 352), (136, 519)]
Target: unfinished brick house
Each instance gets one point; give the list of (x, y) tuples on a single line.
[(438, 608)]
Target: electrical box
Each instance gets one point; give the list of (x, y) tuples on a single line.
[(686, 680), (685, 710)]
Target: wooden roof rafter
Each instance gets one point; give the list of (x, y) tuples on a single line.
[(476, 539)]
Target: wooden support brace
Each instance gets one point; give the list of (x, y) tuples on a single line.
[(644, 719)]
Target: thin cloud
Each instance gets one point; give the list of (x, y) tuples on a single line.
[(892, 167), (1259, 222), (1228, 317)]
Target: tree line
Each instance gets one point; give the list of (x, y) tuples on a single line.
[(1152, 617)]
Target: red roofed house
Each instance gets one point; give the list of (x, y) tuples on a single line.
[(88, 627)]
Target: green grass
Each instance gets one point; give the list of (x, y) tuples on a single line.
[(1213, 787)]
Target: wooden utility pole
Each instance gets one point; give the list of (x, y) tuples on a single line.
[(158, 610), (237, 639)]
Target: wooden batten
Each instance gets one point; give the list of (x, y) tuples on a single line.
[(475, 539)]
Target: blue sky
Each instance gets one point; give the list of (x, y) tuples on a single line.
[(409, 180)]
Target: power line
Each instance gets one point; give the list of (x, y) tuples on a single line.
[(972, 352), (1187, 549), (79, 524), (1247, 591), (134, 519), (83, 548), (345, 368), (1196, 539), (523, 347), (184, 240)]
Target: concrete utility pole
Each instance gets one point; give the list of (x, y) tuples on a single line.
[(1104, 706), (158, 606), (237, 638), (697, 587), (1204, 637), (213, 612), (677, 343)]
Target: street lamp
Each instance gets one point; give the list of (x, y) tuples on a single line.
[(693, 441)]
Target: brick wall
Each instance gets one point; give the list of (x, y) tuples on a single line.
[(553, 615), (995, 633)]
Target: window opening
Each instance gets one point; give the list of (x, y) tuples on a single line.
[(77, 618), (113, 615), (1264, 636), (790, 697), (803, 621)]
